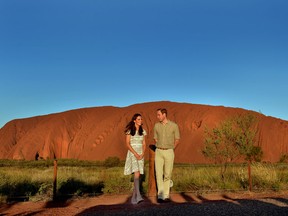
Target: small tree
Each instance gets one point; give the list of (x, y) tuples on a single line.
[(220, 145), (246, 125), (233, 138)]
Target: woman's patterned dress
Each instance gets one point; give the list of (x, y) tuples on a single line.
[(132, 164)]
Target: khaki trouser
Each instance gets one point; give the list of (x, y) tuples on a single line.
[(164, 160)]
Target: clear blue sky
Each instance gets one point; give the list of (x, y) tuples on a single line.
[(58, 55)]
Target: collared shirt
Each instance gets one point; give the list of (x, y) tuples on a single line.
[(166, 134)]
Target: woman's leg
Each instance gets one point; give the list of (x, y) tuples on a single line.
[(136, 196)]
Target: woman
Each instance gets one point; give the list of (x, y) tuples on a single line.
[(135, 142)]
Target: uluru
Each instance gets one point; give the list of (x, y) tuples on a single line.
[(97, 133)]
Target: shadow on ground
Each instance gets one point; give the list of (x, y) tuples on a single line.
[(195, 205), (62, 199)]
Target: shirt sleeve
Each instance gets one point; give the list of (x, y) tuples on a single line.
[(128, 132), (144, 132), (177, 133), (155, 132)]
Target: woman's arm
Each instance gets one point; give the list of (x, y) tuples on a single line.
[(143, 147)]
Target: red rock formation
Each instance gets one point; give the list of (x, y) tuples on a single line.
[(97, 133)]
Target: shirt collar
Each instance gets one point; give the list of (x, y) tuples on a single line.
[(168, 121)]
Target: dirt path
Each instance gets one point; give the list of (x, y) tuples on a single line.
[(181, 204)]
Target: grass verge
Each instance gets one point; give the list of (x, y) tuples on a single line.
[(33, 180)]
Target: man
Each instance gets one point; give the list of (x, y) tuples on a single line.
[(166, 136)]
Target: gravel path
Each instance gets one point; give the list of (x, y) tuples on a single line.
[(265, 206), (181, 204)]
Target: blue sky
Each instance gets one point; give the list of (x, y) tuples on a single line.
[(58, 55)]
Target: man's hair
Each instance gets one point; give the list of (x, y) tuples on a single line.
[(162, 110)]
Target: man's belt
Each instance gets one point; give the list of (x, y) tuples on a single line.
[(163, 148)]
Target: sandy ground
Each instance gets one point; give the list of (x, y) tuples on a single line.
[(246, 203)]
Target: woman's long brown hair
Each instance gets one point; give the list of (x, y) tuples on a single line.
[(131, 126)]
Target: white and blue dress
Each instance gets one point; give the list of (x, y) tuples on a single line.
[(132, 164)]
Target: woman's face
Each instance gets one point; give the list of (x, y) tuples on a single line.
[(138, 121)]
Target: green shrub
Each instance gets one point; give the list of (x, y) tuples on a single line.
[(18, 189), (112, 162), (78, 187), (283, 158)]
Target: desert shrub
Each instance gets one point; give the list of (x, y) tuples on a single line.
[(78, 187), (18, 189), (45, 188), (112, 162), (118, 183), (283, 158)]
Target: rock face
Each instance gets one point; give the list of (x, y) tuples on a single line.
[(98, 133)]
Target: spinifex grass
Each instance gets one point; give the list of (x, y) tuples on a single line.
[(86, 178), (25, 182), (207, 178)]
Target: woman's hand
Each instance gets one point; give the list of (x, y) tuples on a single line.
[(138, 157)]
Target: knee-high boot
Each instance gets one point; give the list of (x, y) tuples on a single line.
[(136, 196)]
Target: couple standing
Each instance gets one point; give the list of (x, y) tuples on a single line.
[(166, 136)]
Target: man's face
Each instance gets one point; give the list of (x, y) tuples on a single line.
[(160, 116)]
